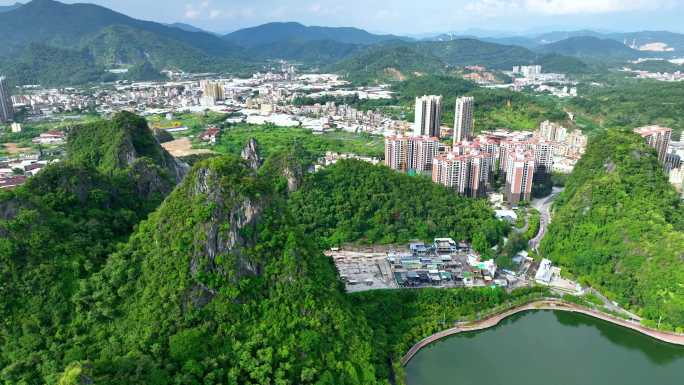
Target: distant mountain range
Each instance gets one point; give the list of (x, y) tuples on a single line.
[(43, 36), (72, 25), (590, 47), (103, 39), (277, 32), (189, 28), (6, 8), (661, 42)]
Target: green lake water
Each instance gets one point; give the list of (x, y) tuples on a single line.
[(548, 348)]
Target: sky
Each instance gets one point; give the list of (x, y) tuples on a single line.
[(413, 17)]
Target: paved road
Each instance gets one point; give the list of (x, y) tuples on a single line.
[(543, 205), (608, 304)]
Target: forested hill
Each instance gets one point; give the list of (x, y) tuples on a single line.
[(59, 228), (225, 281), (80, 41), (400, 60), (270, 33), (356, 202), (77, 43), (66, 25), (619, 226), (219, 284), (590, 47)]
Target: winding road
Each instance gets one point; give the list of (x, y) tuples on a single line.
[(543, 205)]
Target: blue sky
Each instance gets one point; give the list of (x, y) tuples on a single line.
[(413, 16)]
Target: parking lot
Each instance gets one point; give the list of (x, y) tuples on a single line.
[(363, 270)]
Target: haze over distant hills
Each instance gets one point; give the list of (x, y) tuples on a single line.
[(637, 39), (275, 32), (188, 27), (5, 8), (77, 43), (590, 47)]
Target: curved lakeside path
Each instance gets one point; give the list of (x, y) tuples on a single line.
[(543, 304)]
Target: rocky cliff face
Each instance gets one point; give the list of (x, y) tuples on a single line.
[(224, 234), (126, 144), (216, 212), (251, 154)]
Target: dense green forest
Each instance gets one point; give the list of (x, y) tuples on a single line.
[(222, 283), (52, 66), (219, 286), (60, 228), (353, 201), (388, 62), (630, 103), (619, 226), (273, 139)]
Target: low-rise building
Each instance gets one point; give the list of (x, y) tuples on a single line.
[(210, 135), (12, 181), (50, 137), (544, 272)]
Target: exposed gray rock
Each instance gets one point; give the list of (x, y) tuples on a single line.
[(222, 233), (251, 154)]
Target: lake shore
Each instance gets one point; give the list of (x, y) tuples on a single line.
[(543, 304)]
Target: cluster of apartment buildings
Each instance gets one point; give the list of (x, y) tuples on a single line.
[(532, 76), (670, 153), (470, 164)]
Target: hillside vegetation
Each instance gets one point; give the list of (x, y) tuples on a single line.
[(493, 108), (224, 282), (218, 285), (353, 201), (590, 46), (78, 43), (629, 103), (619, 226), (59, 229)]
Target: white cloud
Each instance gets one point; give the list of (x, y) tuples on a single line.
[(315, 8), (565, 7), (191, 12), (203, 10), (492, 8), (215, 13)]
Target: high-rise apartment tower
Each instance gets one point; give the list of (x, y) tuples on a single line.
[(463, 123)]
